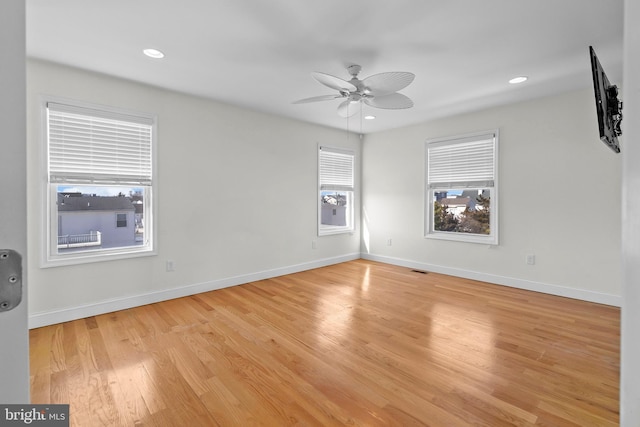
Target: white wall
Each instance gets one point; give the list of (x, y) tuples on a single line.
[(630, 354), (559, 199), (236, 195)]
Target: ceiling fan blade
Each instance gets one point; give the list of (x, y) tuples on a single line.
[(387, 83), (394, 101), (317, 98), (348, 108), (333, 82)]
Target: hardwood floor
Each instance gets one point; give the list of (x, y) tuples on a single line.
[(359, 343)]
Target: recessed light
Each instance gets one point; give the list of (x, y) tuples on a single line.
[(519, 79), (153, 53), (369, 117)]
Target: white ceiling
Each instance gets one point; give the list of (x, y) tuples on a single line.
[(259, 54)]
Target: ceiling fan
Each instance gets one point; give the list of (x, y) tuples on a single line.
[(379, 90)]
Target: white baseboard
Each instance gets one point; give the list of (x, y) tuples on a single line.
[(562, 291), (37, 320)]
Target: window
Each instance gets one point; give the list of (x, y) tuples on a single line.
[(99, 164), (462, 189), (336, 190), (121, 220)]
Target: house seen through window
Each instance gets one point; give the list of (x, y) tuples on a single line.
[(86, 217)]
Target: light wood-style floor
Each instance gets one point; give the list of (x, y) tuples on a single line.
[(359, 343)]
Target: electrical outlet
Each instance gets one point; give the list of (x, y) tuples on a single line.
[(531, 259), (170, 266), (389, 241), (314, 244)]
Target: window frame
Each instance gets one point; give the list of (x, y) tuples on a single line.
[(342, 184), (50, 256), (490, 183)]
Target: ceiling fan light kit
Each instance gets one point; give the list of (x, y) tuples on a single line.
[(378, 91)]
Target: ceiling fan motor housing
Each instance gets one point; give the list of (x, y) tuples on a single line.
[(354, 69)]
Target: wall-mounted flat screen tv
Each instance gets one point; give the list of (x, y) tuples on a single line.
[(608, 107)]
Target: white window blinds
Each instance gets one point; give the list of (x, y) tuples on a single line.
[(92, 146), (467, 162), (336, 168)]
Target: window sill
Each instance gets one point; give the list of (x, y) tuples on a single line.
[(467, 238), (328, 231), (91, 257)]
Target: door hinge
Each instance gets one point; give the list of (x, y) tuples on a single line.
[(10, 279)]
